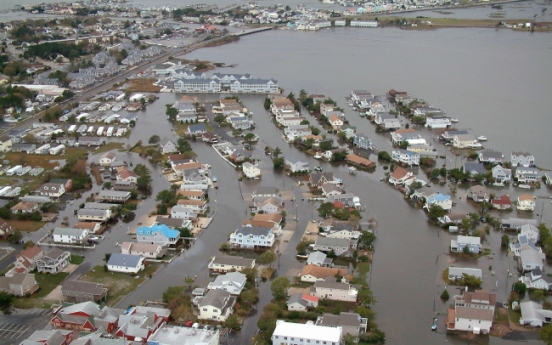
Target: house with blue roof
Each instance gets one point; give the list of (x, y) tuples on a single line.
[(439, 199), (197, 129), (159, 234), (406, 156), (524, 243), (125, 263)]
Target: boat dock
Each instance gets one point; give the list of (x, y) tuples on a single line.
[(254, 31)]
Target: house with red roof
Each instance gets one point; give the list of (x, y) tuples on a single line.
[(503, 202), (302, 302), (400, 175), (25, 261)]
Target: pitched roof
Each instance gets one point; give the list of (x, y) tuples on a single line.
[(125, 260), (273, 217), (399, 173), (474, 313), (160, 228), (322, 272), (215, 298), (81, 286), (524, 197), (254, 230), (502, 200), (233, 261), (30, 252)]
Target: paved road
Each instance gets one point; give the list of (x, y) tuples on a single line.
[(22, 323), (220, 131)]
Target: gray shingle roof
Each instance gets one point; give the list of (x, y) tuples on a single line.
[(125, 260)]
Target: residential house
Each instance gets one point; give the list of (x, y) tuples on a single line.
[(536, 280), (53, 261), (517, 223), (24, 207), (79, 317), (474, 168), (530, 259), (362, 141), (5, 229), (526, 202), (107, 158), (531, 232), (334, 290), (268, 205), (493, 157), (147, 250), (338, 245), (70, 235), (94, 215), (251, 171), (457, 273), (25, 261), (301, 302), (406, 157), (197, 129), (421, 194), (178, 335), (439, 199), (296, 165), (266, 192), (522, 159), (223, 264), (167, 146), (342, 230), (172, 223), (321, 178), (77, 291), (453, 218), (192, 194), (157, 234), (126, 176), (465, 141), (350, 323), (527, 175), (232, 282), (533, 314), (409, 136), (524, 243), (112, 196), (478, 193), (52, 190), (473, 312), (19, 284), (360, 161), (5, 144), (473, 244), (305, 334), (501, 175), (335, 121), (437, 121), (313, 273), (183, 212), (198, 206), (125, 263), (216, 305), (400, 175), (252, 237), (319, 259)]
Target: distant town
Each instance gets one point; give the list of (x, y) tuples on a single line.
[(118, 155)]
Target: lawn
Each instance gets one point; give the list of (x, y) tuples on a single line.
[(142, 85), (44, 161), (47, 283), (25, 225), (109, 147), (119, 284), (76, 259), (362, 273)]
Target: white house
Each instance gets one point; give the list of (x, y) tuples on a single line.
[(107, 158), (268, 205), (167, 146), (535, 280), (53, 190), (530, 259), (488, 156), (527, 174), (125, 263), (183, 212), (296, 165), (522, 159), (456, 273), (399, 176), (531, 231), (437, 121), (533, 314), (526, 202), (308, 333), (216, 305), (472, 242), (250, 170), (439, 199), (232, 282), (70, 235), (463, 141), (406, 156), (252, 237), (501, 175), (157, 234), (473, 312)]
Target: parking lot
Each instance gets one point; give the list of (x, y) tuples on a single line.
[(21, 323)]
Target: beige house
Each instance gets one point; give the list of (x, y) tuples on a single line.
[(5, 144), (230, 263), (335, 291), (24, 207), (314, 273), (526, 202), (147, 250), (20, 284), (216, 305)]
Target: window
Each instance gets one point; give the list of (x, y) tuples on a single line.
[(204, 309)]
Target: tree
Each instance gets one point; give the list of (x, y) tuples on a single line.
[(445, 295), (302, 248), (505, 242), (278, 162), (384, 156), (171, 112), (540, 294), (367, 238), (9, 71), (233, 322), (365, 312), (466, 250), (348, 339), (154, 139), (435, 212), (365, 296), (249, 137), (279, 287), (6, 303), (15, 237), (251, 274), (546, 334), (248, 297), (519, 287), (220, 119), (165, 196), (470, 281), (173, 292), (277, 151), (267, 257), (184, 145), (267, 322)]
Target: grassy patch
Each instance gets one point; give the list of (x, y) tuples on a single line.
[(47, 283), (3, 273), (109, 147), (446, 277), (25, 225), (119, 284), (76, 259), (44, 161), (362, 273), (142, 85), (181, 128), (515, 315), (97, 175)]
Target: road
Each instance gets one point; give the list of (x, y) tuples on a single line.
[(216, 128)]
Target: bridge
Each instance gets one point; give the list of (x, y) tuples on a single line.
[(254, 31)]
